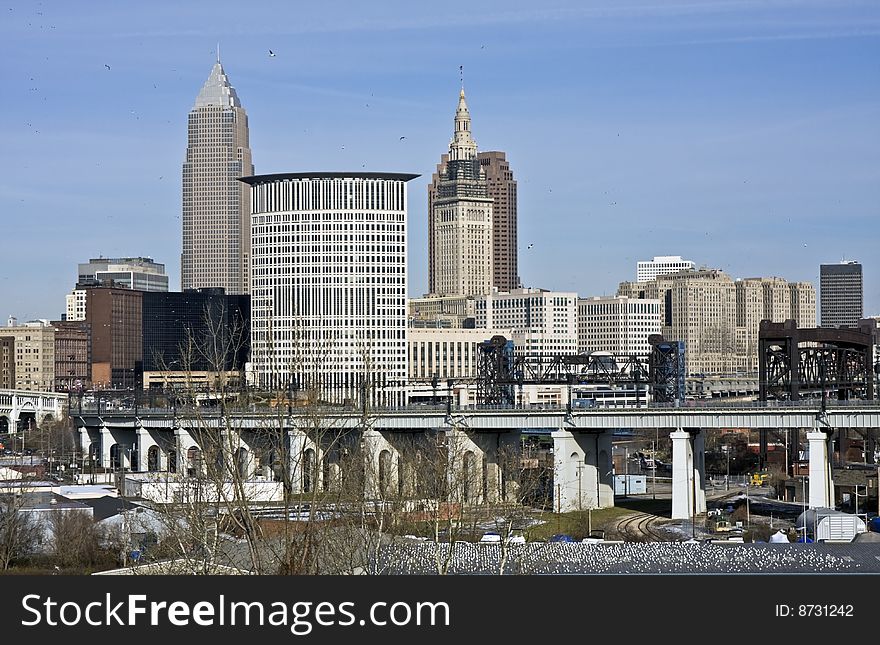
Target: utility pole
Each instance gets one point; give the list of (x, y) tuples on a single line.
[(727, 477), (654, 470)]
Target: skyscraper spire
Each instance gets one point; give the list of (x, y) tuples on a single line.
[(462, 145), (218, 52), (217, 90)]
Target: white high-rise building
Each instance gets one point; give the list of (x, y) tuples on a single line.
[(75, 305), (544, 323), (648, 270), (619, 325), (328, 290)]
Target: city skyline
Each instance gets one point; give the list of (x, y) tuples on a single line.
[(740, 135)]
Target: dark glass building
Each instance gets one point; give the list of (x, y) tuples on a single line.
[(840, 294), (196, 330)]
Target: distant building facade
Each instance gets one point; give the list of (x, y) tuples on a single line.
[(72, 351), (718, 318), (34, 346), (647, 270), (140, 273), (7, 362), (543, 323), (445, 353), (441, 311), (620, 325), (840, 294), (803, 304), (193, 332), (216, 211), (115, 317)]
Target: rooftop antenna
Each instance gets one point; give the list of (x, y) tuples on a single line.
[(218, 52), (461, 76)]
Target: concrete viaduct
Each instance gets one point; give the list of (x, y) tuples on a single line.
[(161, 440)]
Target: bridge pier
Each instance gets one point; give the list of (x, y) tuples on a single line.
[(688, 474), (478, 464), (821, 493), (146, 441), (296, 447), (177, 452), (381, 459), (582, 471), (85, 440)]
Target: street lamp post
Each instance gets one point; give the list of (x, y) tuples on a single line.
[(580, 468), (804, 500), (727, 476), (654, 469), (748, 511)]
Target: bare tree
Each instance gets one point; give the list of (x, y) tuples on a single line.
[(75, 538), (19, 533)]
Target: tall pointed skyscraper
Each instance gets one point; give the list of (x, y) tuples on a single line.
[(460, 217), (500, 187), (216, 206)]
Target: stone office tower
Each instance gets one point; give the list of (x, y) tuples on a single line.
[(216, 207), (500, 188)]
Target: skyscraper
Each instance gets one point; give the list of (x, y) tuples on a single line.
[(216, 210), (328, 308), (460, 216), (502, 190), (840, 294)]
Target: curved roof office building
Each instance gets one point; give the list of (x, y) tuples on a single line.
[(328, 285)]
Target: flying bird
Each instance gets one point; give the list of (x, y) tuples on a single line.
[(271, 54), (531, 245), (402, 138), (106, 65)]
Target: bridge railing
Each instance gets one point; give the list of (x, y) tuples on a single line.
[(104, 409)]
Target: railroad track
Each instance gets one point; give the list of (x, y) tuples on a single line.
[(638, 527)]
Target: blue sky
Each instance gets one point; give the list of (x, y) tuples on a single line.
[(743, 135)]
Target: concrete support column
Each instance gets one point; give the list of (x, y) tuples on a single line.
[(178, 447), (407, 474), (296, 442), (699, 448), (85, 441), (371, 446), (142, 443), (493, 481), (681, 482), (688, 474), (106, 442), (464, 467), (820, 470), (581, 471), (334, 472)]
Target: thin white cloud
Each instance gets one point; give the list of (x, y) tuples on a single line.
[(855, 33), (449, 18)]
